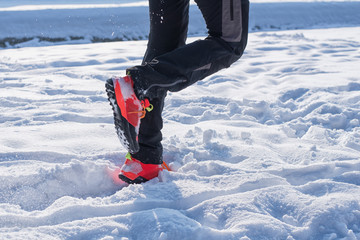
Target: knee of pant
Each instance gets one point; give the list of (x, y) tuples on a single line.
[(238, 48)]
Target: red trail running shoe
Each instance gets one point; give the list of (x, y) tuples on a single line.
[(134, 171), (128, 110)]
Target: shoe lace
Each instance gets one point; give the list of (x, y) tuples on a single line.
[(146, 106), (165, 166)]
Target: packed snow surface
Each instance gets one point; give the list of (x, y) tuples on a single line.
[(266, 149)]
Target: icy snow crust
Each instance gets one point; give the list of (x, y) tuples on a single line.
[(267, 149)]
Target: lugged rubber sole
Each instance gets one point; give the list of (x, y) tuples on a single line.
[(124, 130), (135, 181)]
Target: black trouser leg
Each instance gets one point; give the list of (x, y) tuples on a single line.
[(168, 27), (169, 65), (168, 31), (227, 22)]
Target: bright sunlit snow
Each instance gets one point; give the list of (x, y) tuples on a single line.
[(267, 149)]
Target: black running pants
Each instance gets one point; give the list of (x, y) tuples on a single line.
[(171, 65)]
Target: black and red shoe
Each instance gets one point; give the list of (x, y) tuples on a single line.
[(134, 171), (128, 110)]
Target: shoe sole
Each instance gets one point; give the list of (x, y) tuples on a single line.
[(137, 180), (124, 130)]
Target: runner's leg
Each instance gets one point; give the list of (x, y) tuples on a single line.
[(168, 31)]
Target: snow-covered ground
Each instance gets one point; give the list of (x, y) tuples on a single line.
[(267, 149)]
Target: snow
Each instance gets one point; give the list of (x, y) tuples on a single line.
[(267, 149)]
